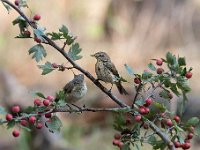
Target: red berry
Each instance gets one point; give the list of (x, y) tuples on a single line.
[(170, 95), (190, 136), (116, 142), (46, 102), (147, 110), (185, 145), (17, 2), (148, 102), (142, 110), (27, 33), (36, 39), (51, 98), (177, 119), (159, 70), (159, 62), (23, 122), (117, 136), (37, 17), (191, 129), (128, 121), (177, 144), (137, 80), (15, 133), (37, 102), (138, 118), (169, 122), (120, 144), (15, 109), (9, 117), (162, 115), (39, 125), (48, 115), (188, 75), (32, 119)]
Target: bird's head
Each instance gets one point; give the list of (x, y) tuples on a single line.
[(79, 78), (101, 56)]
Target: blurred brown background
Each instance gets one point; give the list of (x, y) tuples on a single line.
[(130, 31)]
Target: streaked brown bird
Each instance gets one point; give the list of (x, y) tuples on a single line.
[(75, 89), (107, 72)]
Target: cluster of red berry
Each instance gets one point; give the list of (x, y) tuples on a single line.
[(32, 119), (35, 18)]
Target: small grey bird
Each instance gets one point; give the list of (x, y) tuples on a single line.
[(107, 72), (75, 89)]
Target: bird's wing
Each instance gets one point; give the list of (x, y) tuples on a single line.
[(69, 87), (110, 66)]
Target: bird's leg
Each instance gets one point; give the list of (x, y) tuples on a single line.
[(111, 88), (79, 108), (69, 107)]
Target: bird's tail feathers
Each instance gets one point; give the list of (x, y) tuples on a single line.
[(121, 88)]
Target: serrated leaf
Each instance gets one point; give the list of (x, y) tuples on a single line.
[(74, 52), (64, 29), (129, 69), (55, 124), (171, 59), (46, 68), (55, 36), (181, 61), (193, 121), (159, 106), (11, 124), (38, 52), (183, 84), (39, 33), (119, 122), (62, 102), (39, 95), (8, 8), (25, 128), (152, 67)]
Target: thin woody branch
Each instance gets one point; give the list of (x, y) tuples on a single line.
[(53, 44), (163, 136)]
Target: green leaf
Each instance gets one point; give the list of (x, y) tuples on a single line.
[(39, 33), (74, 52), (182, 84), (174, 89), (55, 36), (129, 69), (25, 128), (125, 147), (38, 52), (21, 23), (140, 102), (62, 102), (1, 121), (39, 95), (164, 94), (119, 122), (193, 121), (2, 110), (8, 8), (181, 61), (46, 68), (11, 124), (60, 96), (152, 67), (171, 59), (55, 124), (41, 108), (64, 30), (29, 109), (146, 75)]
